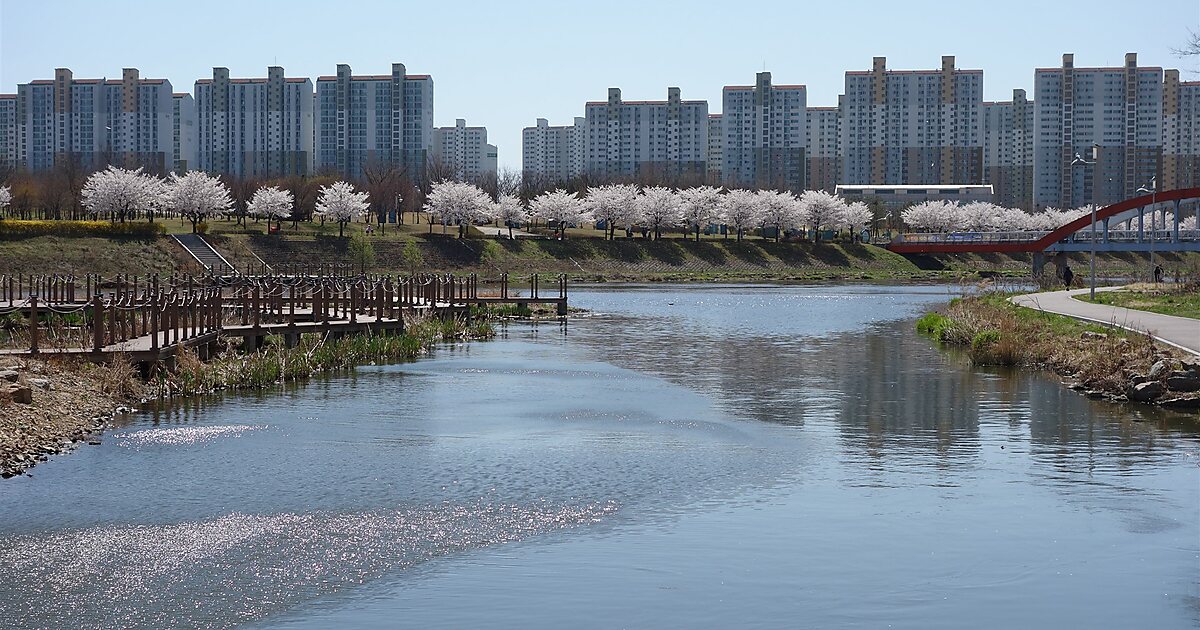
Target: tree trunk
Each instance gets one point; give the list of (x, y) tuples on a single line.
[(697, 232), (341, 229)]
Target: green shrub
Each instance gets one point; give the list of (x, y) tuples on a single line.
[(15, 229), (984, 338), (933, 325)]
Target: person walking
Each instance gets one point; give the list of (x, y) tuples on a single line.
[(1068, 276), (1158, 274)]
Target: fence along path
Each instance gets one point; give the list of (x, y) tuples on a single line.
[(149, 318)]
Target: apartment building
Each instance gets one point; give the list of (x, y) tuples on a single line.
[(374, 119), (463, 152), (93, 122), (716, 148), (654, 141), (552, 154), (765, 129), (1118, 109), (184, 132), (1008, 150), (1181, 132), (822, 154), (912, 126), (8, 131), (255, 127)]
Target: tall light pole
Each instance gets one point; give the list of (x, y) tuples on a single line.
[(1153, 190), (1080, 160)]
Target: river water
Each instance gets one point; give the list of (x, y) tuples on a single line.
[(709, 456)]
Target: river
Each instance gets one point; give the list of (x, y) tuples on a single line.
[(684, 456)]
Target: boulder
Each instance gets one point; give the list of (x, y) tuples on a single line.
[(1159, 369), (1137, 379), (9, 376), (1183, 383), (1087, 334), (21, 394), (43, 383), (1145, 392), (1181, 403)]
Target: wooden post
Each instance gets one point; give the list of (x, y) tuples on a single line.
[(153, 322), (33, 324), (97, 322)]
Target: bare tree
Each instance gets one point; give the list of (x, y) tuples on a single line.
[(385, 184), (1190, 48)]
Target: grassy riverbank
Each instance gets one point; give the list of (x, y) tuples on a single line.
[(71, 402), (1180, 300), (581, 259), (1104, 362)]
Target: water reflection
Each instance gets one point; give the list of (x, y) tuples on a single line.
[(699, 455)]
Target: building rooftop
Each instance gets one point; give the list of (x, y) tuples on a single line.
[(870, 72), (375, 77), (701, 102)]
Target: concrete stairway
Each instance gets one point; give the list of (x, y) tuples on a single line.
[(204, 253)]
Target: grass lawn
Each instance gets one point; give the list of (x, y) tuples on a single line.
[(1182, 300)]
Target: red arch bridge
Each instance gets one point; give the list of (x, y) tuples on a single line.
[(1134, 225)]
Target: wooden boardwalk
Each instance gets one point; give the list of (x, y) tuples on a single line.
[(148, 321)]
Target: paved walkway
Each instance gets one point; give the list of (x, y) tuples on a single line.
[(1181, 332)]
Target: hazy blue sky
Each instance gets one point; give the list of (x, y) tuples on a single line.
[(504, 64)]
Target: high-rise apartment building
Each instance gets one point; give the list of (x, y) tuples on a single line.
[(183, 132), (658, 141), (1008, 150), (765, 129), (255, 127), (716, 147), (1118, 109), (822, 153), (552, 154), (913, 127), (463, 152), (94, 122), (8, 131), (374, 119), (1181, 132)]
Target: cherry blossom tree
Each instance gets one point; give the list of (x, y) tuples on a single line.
[(780, 210), (821, 209), (340, 202), (559, 208), (5, 196), (741, 210), (458, 203), (855, 215), (269, 202), (613, 204), (196, 195), (509, 210), (118, 193), (700, 206), (932, 216), (660, 208)]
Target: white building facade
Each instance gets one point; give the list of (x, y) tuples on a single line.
[(1008, 150), (257, 127), (184, 132), (716, 148), (1181, 132), (765, 131), (464, 151), (651, 141), (9, 135), (822, 155), (913, 127), (552, 154), (1119, 109), (94, 122), (374, 119)]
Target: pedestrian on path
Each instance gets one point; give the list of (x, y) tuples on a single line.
[(1068, 276)]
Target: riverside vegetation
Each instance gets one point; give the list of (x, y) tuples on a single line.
[(1103, 362)]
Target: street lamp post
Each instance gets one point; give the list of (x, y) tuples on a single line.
[(1092, 264), (1153, 190)]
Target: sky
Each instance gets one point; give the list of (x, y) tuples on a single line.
[(504, 64)]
